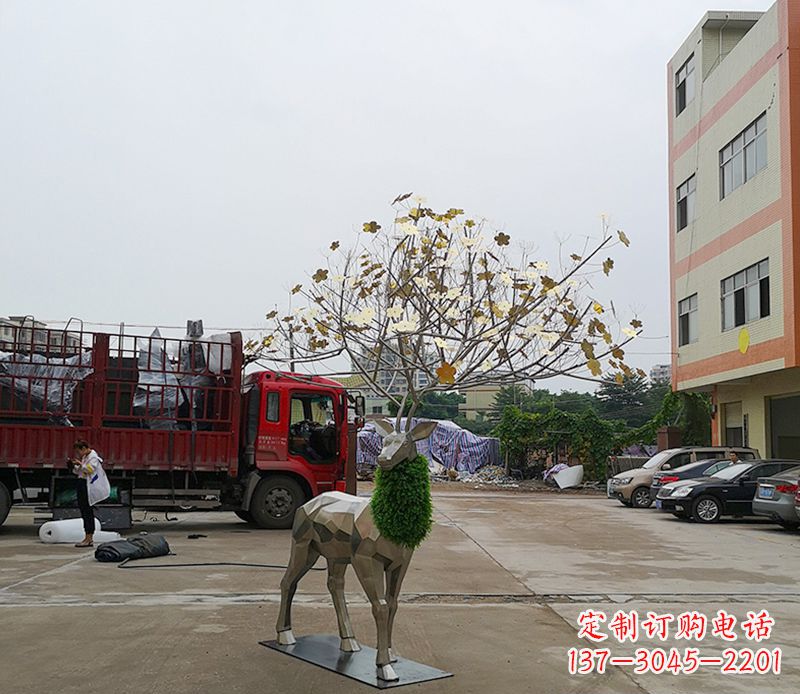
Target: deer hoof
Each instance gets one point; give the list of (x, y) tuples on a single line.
[(392, 656), (387, 673), (286, 638), (349, 645)]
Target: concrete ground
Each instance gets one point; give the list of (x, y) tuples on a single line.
[(492, 596)]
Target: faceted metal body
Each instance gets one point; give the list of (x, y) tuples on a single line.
[(340, 528)]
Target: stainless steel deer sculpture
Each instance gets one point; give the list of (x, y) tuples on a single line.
[(340, 527)]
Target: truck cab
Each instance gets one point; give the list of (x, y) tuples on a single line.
[(298, 431)]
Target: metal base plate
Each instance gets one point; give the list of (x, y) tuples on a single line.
[(323, 650)]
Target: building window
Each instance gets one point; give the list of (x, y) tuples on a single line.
[(377, 409), (734, 424), (684, 85), (687, 320), (743, 157), (745, 296), (685, 198)]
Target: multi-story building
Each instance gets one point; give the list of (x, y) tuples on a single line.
[(24, 333), (660, 373), (734, 185)]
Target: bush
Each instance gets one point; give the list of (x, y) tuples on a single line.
[(401, 502)]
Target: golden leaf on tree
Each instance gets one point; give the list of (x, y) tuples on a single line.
[(371, 227), (400, 198), (446, 373), (594, 367), (320, 275), (588, 349), (334, 245), (502, 239), (296, 288), (619, 379), (608, 264), (618, 353), (598, 308), (576, 257), (271, 315), (636, 323), (623, 238)]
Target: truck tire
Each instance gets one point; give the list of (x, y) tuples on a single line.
[(274, 502), (5, 503)]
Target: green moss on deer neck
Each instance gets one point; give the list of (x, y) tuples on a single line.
[(401, 502)]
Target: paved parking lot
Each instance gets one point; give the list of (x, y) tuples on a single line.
[(492, 596)]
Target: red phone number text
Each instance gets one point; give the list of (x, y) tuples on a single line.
[(743, 661)]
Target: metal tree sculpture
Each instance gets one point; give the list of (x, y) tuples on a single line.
[(435, 303), (438, 302)]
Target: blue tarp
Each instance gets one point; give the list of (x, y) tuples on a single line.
[(449, 445)]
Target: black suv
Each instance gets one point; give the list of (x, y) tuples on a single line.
[(728, 492)]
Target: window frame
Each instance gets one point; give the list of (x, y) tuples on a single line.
[(685, 195), (750, 143), (687, 335), (743, 292), (273, 400), (684, 85)]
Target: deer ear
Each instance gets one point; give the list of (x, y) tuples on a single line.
[(383, 425), (422, 430)]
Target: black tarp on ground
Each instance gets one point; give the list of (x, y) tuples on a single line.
[(139, 547)]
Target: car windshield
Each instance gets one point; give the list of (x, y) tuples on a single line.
[(732, 471), (658, 458)]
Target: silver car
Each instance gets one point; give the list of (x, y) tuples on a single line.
[(775, 498)]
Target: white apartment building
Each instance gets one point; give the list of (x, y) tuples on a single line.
[(734, 186)]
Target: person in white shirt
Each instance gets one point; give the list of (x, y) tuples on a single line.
[(92, 486)]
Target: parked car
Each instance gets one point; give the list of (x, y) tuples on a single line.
[(774, 498), (701, 468), (632, 487), (728, 492)]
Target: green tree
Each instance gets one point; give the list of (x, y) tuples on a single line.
[(690, 412), (626, 401), (588, 437), (433, 406), (573, 401)]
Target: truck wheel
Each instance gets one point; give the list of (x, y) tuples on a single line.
[(5, 503), (274, 502)]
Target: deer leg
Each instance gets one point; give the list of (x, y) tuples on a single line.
[(394, 580), (336, 587), (301, 560), (370, 574)]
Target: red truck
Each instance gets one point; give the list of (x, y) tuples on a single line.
[(179, 424)]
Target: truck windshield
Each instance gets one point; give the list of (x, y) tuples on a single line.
[(312, 427)]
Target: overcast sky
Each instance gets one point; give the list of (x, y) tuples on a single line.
[(169, 160)]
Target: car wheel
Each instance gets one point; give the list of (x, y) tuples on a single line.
[(275, 501), (245, 516), (5, 503), (706, 509), (641, 497)]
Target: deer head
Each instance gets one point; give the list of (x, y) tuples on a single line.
[(399, 445)]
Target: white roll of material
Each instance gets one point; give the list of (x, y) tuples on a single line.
[(70, 530)]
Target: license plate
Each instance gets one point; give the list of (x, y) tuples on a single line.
[(658, 503), (766, 493)]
